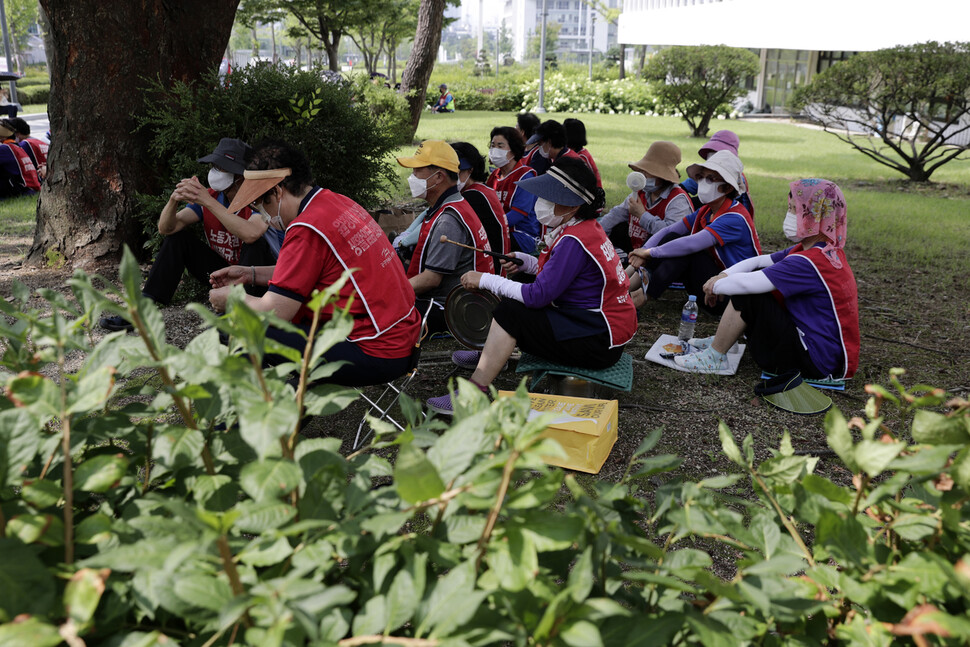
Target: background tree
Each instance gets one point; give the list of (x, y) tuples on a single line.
[(253, 13), (534, 44), (699, 81), (907, 107), (97, 163), (391, 22), (21, 15), (612, 16), (417, 72)]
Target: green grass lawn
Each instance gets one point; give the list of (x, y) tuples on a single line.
[(897, 224), (18, 215)]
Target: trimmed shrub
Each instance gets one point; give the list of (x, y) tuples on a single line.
[(33, 93)]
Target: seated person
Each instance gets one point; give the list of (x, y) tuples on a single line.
[(230, 238), (659, 204), (436, 267), (576, 141), (483, 199), (717, 235), (551, 137), (36, 148), (505, 152), (446, 102), (797, 307), (722, 140), (7, 108), (578, 309), (18, 176), (327, 234), (526, 124)]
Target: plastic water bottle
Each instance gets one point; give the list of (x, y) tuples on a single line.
[(688, 317)]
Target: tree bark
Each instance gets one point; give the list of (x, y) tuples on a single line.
[(622, 61), (417, 71), (97, 161)]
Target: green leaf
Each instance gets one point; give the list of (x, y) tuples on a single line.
[(401, 601), (100, 473), (452, 602), (415, 477), (261, 516), (41, 494), (177, 447), (936, 429), (83, 593), (19, 443), (29, 632), (913, 527), (782, 470), (843, 537), (657, 464), (45, 529), (960, 470), (372, 618), (840, 438), (581, 576), (93, 529), (581, 633), (648, 443), (92, 391), (728, 445), (874, 457), (266, 551), (204, 591), (719, 482), (270, 479), (262, 424), (26, 586)]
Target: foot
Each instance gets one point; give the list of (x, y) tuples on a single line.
[(466, 358), (442, 404), (705, 361), (700, 343), (115, 323)]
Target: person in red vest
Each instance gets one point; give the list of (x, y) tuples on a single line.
[(327, 234), (579, 309), (36, 148), (436, 267), (483, 199), (576, 141), (552, 145), (18, 176), (798, 307)]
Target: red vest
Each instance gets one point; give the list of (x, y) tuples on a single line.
[(500, 241), (704, 218), (639, 235), (39, 149), (505, 186), (219, 239), (588, 158), (467, 217), (357, 242), (615, 304), (28, 172), (844, 296)]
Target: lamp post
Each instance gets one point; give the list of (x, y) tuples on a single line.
[(6, 47), (590, 18), (542, 62)]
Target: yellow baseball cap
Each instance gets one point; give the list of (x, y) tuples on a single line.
[(432, 152)]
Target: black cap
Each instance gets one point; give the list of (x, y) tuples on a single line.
[(230, 155)]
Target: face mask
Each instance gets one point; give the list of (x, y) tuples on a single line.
[(651, 185), (419, 187), (708, 191), (498, 156), (461, 185), (546, 212), (790, 227), (543, 152), (220, 180)]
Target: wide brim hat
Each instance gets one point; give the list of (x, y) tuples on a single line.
[(255, 184), (661, 161), (432, 152), (722, 140), (230, 155), (555, 186), (790, 393), (5, 130), (727, 165)]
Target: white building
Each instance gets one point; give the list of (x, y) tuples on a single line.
[(523, 18), (795, 39)]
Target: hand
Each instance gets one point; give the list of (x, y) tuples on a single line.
[(709, 297), (471, 280), (511, 268), (231, 275), (218, 298), (635, 206), (191, 190), (638, 257)]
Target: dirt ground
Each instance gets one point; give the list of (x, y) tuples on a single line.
[(913, 319)]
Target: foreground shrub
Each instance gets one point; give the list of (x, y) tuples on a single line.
[(165, 497)]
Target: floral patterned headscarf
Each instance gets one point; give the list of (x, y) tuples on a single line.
[(820, 207)]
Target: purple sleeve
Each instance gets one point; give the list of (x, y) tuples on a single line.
[(684, 245), (776, 257), (565, 263), (794, 276), (678, 229), (8, 163)]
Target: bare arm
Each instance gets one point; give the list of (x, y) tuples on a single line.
[(248, 231), (283, 307), (425, 281), (172, 219)]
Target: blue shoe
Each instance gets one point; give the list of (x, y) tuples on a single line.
[(700, 343), (115, 323)]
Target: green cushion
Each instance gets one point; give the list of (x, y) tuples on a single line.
[(619, 376)]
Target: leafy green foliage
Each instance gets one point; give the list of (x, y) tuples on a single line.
[(905, 107), (699, 82), (193, 513), (329, 121)]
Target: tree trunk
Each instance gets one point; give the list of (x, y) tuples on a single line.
[(417, 71), (97, 162), (255, 52), (641, 60), (272, 38), (622, 61)]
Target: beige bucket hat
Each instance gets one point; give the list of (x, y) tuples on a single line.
[(660, 161)]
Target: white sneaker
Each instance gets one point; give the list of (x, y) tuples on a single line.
[(705, 361), (700, 343)]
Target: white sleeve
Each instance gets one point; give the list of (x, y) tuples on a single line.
[(750, 264), (746, 283), (530, 263), (501, 286)]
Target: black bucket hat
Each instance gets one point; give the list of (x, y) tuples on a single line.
[(789, 392), (230, 155)]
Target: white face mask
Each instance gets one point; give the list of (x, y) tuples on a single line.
[(651, 185), (543, 152), (546, 212), (274, 221), (498, 156), (708, 191), (790, 227), (220, 180), (419, 186)]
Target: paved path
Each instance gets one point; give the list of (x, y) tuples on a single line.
[(39, 124)]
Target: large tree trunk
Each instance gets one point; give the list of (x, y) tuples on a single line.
[(96, 162), (417, 71)]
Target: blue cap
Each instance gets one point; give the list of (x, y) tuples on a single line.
[(555, 186), (692, 298)]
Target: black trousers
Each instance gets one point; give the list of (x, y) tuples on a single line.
[(773, 339), (183, 250), (693, 271)]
